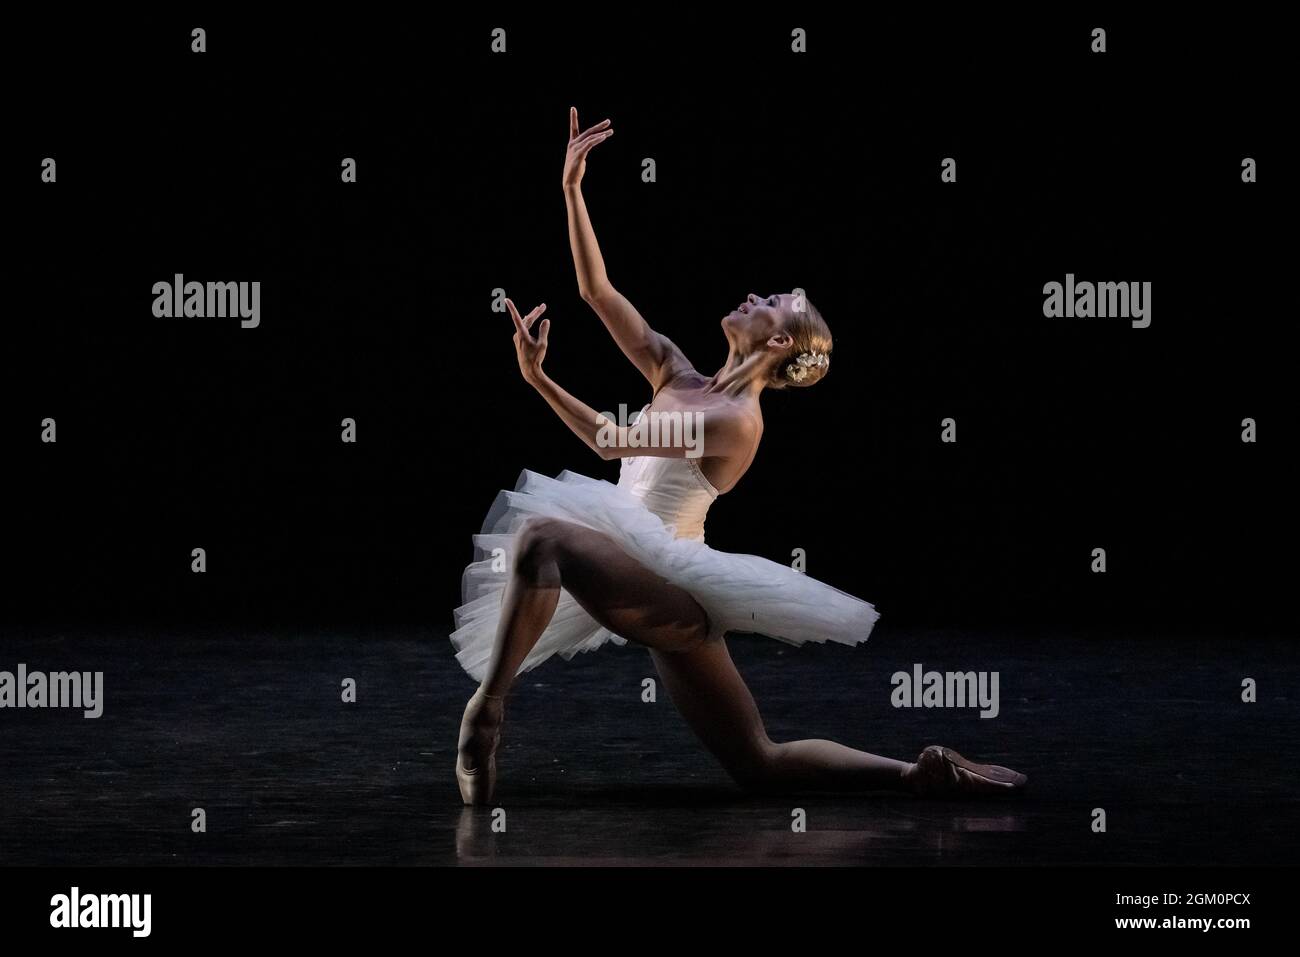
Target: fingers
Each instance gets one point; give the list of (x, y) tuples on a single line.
[(593, 131), (542, 332), (523, 325), (573, 123), (585, 146), (532, 316), (514, 315)]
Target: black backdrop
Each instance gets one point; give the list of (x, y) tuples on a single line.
[(774, 171)]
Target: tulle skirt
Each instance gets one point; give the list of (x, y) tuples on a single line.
[(741, 593)]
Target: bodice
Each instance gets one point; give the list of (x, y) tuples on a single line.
[(674, 489)]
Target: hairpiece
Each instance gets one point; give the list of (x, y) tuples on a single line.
[(804, 363)]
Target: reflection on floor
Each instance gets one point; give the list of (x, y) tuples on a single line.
[(251, 727)]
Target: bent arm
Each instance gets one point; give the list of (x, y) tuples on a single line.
[(720, 435)]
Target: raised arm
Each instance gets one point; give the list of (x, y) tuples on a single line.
[(722, 435), (657, 358)]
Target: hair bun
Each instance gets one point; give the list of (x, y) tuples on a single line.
[(804, 363)]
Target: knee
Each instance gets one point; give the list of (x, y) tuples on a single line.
[(683, 633), (697, 632), (757, 768), (538, 547)]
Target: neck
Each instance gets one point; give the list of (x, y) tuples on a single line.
[(741, 375)]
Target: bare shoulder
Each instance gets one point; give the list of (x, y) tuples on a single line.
[(732, 433), (735, 418)]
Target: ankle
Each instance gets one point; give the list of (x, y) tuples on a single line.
[(485, 712), (908, 776)]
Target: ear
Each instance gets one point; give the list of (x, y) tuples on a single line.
[(781, 340)]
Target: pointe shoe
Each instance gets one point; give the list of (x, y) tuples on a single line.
[(942, 772), (477, 783)]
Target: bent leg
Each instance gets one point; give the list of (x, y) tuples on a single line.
[(616, 590), (714, 700)]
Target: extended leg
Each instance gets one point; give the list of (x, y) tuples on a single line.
[(710, 693), (712, 696)]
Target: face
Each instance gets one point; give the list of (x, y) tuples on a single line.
[(758, 320)]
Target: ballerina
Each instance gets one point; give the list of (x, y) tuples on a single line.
[(567, 564)]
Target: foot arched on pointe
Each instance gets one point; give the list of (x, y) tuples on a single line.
[(942, 772), (480, 733)]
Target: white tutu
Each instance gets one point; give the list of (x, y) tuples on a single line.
[(742, 593)]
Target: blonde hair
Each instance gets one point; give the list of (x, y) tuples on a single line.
[(809, 358)]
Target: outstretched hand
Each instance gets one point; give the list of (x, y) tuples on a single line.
[(529, 349), (580, 144)]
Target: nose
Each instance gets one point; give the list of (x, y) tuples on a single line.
[(752, 299)]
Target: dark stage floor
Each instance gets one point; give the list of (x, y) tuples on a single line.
[(250, 727)]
